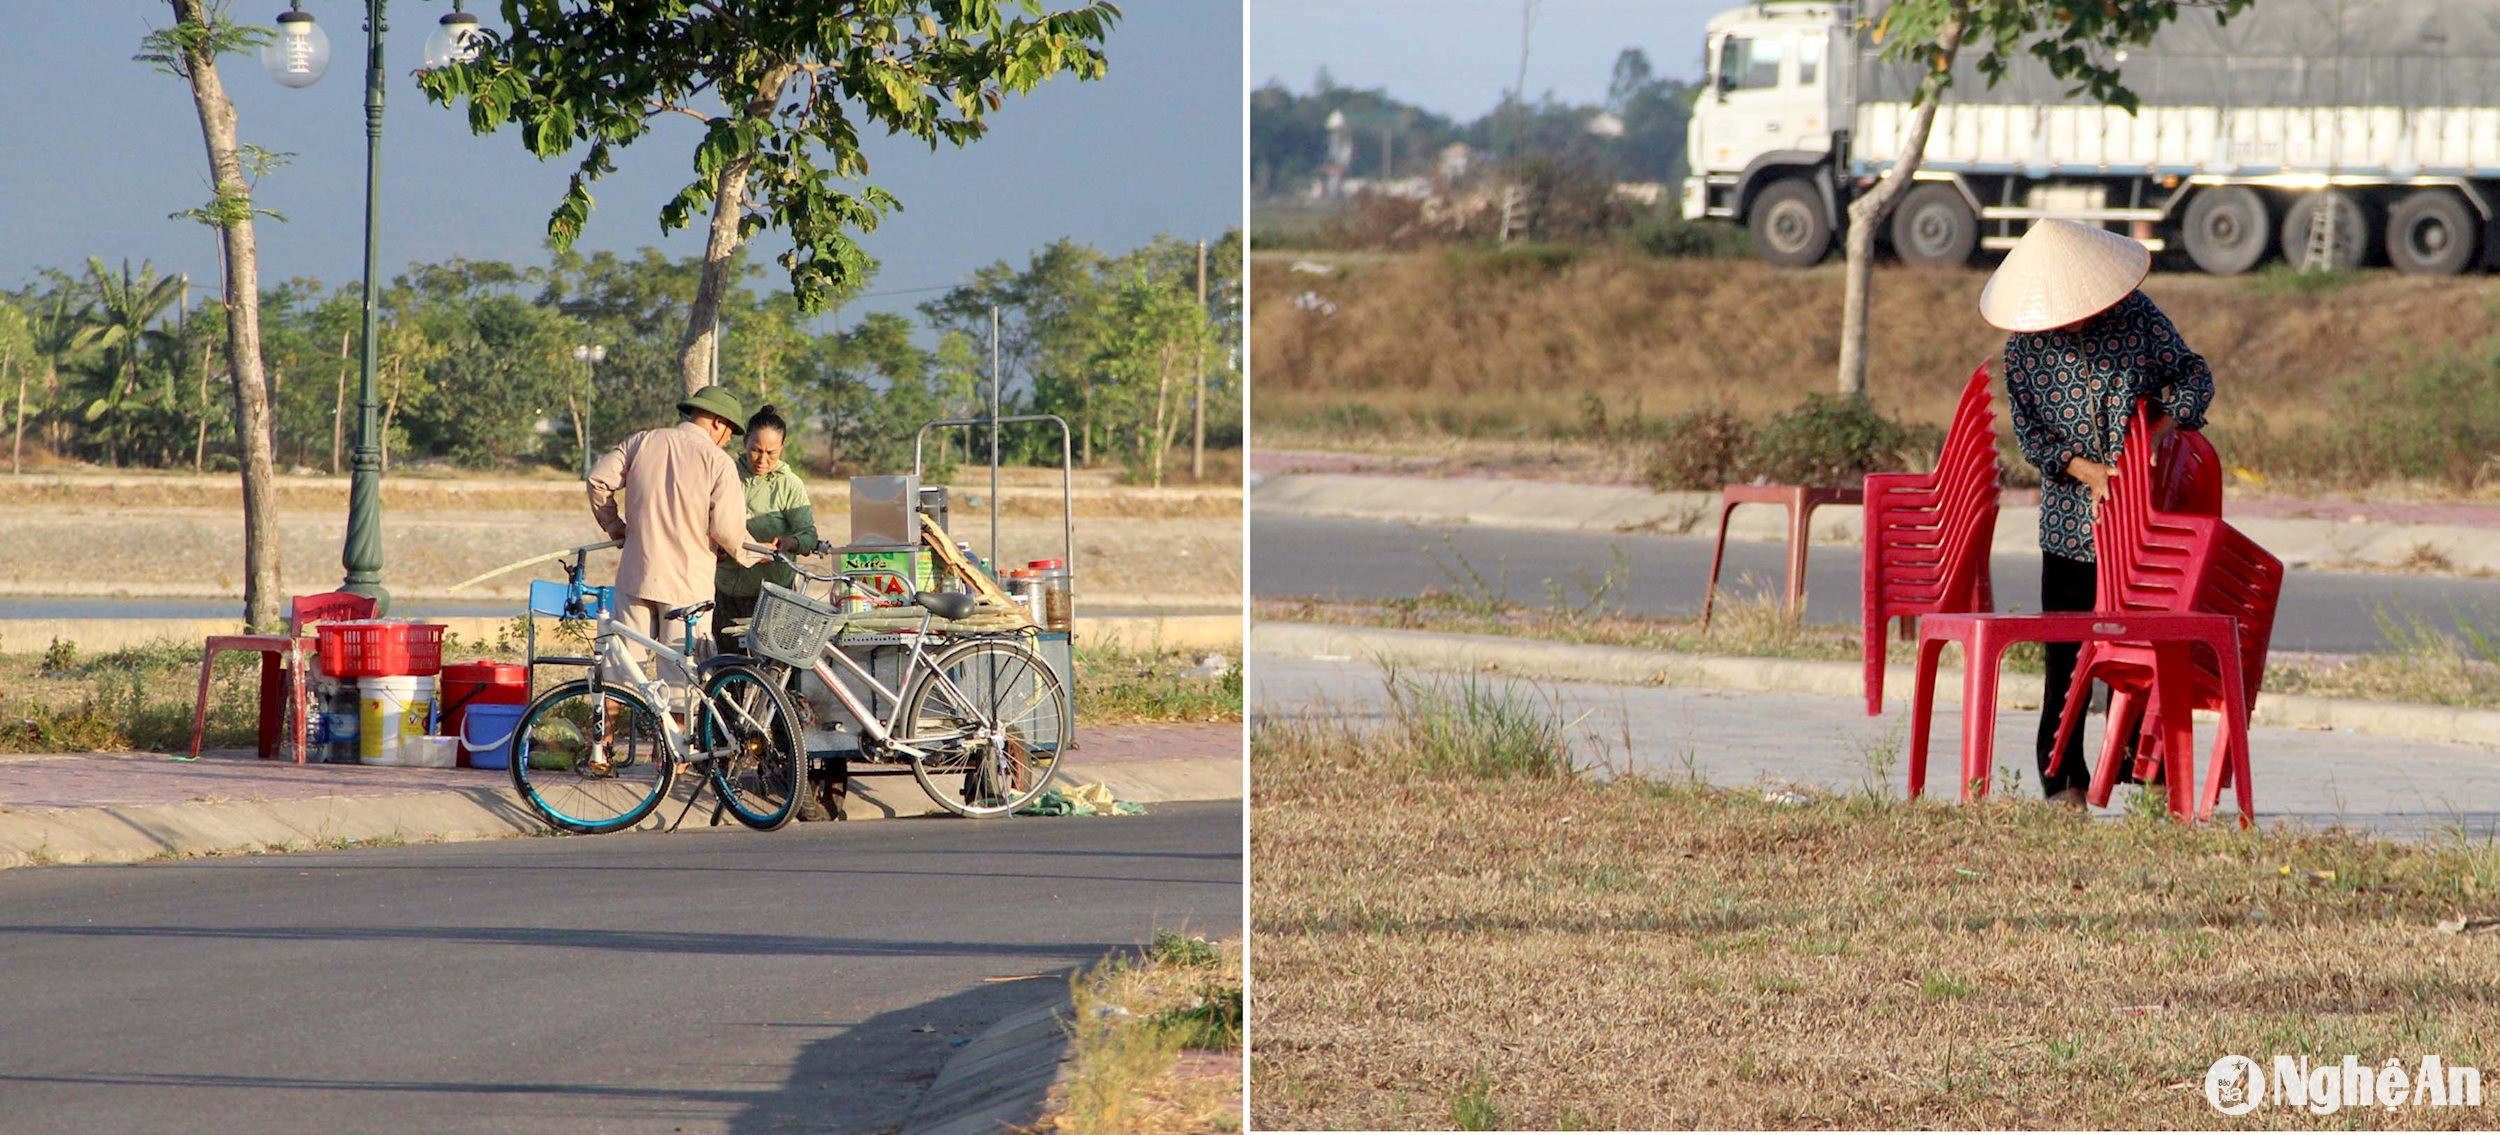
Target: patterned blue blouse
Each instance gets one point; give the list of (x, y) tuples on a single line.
[(2073, 390)]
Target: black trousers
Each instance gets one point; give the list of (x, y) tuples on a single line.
[(741, 609), (2065, 585)]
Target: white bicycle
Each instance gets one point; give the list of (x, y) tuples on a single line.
[(981, 720), (597, 754)]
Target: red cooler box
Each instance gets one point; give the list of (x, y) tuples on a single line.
[(479, 683)]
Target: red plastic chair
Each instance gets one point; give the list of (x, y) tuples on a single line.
[(285, 664), (2152, 559), (1928, 534)]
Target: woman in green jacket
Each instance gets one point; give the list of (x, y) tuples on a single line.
[(778, 513)]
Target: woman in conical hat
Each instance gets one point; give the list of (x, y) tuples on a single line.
[(2084, 346)]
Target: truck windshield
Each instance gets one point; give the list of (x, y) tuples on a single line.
[(1749, 64)]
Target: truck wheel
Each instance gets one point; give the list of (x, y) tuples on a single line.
[(2352, 229), (1934, 228), (2226, 229), (2432, 233), (1788, 225)]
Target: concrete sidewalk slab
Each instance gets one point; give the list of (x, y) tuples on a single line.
[(126, 807), (1633, 666), (1553, 505), (1000, 1080)]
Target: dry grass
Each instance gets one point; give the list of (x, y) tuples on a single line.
[(1156, 1044), (1743, 627), (1435, 345), (2422, 664), (1439, 951), (1097, 493)]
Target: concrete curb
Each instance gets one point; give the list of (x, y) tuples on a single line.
[(131, 833), (95, 636), (1557, 506), (1001, 1079), (1633, 666)]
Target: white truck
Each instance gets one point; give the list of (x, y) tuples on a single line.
[(2349, 131)]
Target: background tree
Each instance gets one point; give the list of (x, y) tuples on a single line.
[(2069, 37), (1145, 345), (17, 361), (189, 51), (793, 83)]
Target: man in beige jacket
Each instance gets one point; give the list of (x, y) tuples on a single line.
[(681, 511)]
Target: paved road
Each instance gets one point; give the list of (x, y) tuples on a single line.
[(2392, 787), (812, 979), (2326, 612)]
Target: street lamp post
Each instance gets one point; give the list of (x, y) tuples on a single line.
[(590, 355), (296, 58)]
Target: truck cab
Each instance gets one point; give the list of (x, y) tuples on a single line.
[(1770, 125)]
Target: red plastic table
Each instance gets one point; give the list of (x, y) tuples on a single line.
[(1984, 640)]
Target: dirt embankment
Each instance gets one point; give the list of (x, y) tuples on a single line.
[(100, 534), (1448, 344)]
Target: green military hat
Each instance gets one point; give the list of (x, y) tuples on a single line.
[(720, 401)]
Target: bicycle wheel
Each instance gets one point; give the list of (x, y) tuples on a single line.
[(591, 760), (989, 717), (759, 760)]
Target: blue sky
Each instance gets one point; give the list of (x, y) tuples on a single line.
[(1457, 57), (99, 149)]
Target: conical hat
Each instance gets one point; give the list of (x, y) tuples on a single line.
[(2062, 272)]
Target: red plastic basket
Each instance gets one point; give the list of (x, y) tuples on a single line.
[(377, 648)]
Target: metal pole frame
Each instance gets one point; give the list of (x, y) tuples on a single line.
[(1067, 474), (362, 555)]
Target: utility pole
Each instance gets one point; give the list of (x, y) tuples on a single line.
[(1198, 447), (1527, 23)]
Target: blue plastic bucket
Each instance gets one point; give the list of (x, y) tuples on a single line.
[(486, 734)]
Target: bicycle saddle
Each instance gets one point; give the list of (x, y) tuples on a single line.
[(946, 605), (689, 611)]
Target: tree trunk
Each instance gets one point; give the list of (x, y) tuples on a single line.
[(17, 445), (199, 448), (390, 410), (694, 350), (1868, 212), (581, 432), (338, 409), (261, 586), (1198, 409), (1163, 433)]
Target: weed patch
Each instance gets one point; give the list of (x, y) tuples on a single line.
[(1115, 686), (1155, 1043)]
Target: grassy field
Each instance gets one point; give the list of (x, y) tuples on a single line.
[(1506, 944), (1575, 359)]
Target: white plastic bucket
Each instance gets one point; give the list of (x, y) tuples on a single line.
[(430, 751), (392, 713)]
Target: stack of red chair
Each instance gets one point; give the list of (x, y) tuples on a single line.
[(2153, 559), (1928, 534)]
